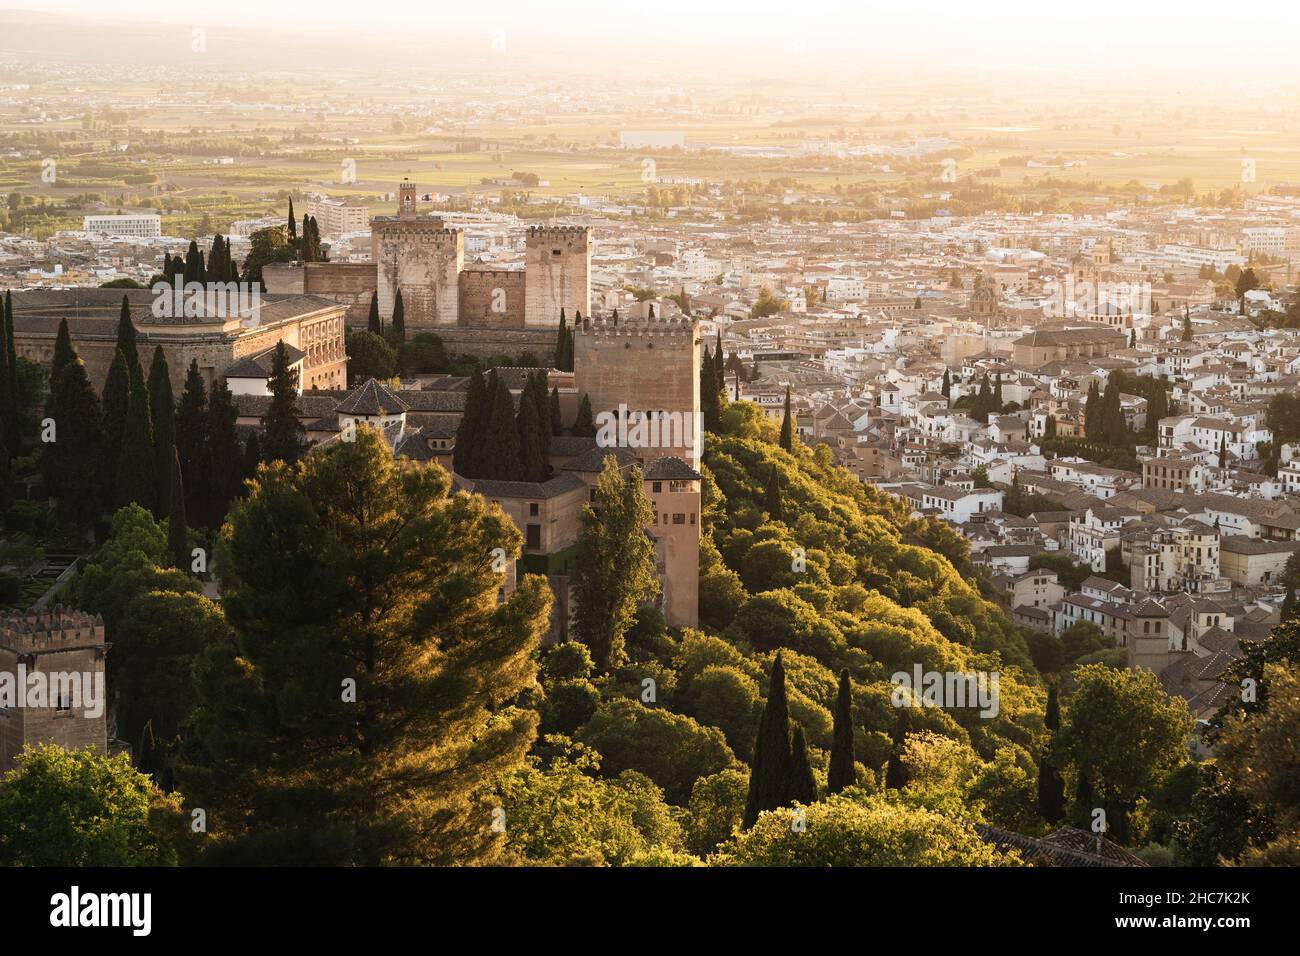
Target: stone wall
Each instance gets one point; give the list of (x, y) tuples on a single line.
[(492, 297), (350, 284)]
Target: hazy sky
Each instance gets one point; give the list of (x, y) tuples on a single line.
[(1205, 40)]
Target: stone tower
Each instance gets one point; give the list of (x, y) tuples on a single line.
[(61, 650), (406, 200), (557, 260), (642, 378), (646, 367), (422, 257)]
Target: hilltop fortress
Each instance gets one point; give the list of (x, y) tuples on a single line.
[(425, 258)]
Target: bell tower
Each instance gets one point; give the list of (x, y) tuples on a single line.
[(406, 200)]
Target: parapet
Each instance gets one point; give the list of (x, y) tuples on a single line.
[(50, 629), (552, 233), (608, 327)]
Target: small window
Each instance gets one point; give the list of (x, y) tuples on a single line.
[(657, 487), (64, 701), (679, 518), (532, 509)]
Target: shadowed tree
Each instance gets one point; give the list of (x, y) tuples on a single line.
[(283, 437), (615, 568), (361, 724), (787, 424), (842, 772), (769, 770), (137, 463), (162, 414)]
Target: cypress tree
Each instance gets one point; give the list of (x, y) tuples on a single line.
[(1051, 788), (541, 398), (842, 772), (195, 270), (720, 372), (554, 414), (191, 425), (584, 424), (469, 433), (10, 427), (1288, 605), (561, 343), (117, 402), (772, 496), (162, 413), (219, 481), (769, 771), (947, 385), (399, 321), (216, 260), (375, 324), (802, 787), (709, 403), (787, 424), (501, 439), (63, 353), (283, 437), (177, 531), (1084, 800), (304, 241), (126, 335), (293, 224), (4, 372), (137, 465), (77, 458), (532, 461), (150, 757), (1092, 412), (895, 769), (997, 393), (983, 401)]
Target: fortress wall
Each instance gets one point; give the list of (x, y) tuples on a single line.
[(492, 297)]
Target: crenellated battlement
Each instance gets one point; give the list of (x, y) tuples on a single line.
[(418, 230), (59, 627), (607, 327), (559, 232)]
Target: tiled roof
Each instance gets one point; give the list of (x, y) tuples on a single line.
[(372, 399)]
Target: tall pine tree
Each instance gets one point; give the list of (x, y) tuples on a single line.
[(803, 785), (769, 770), (221, 480), (787, 424), (842, 772), (137, 464), (472, 429), (162, 412), (283, 437), (501, 436), (398, 330), (78, 453), (1051, 788), (191, 425), (177, 531), (117, 403)]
